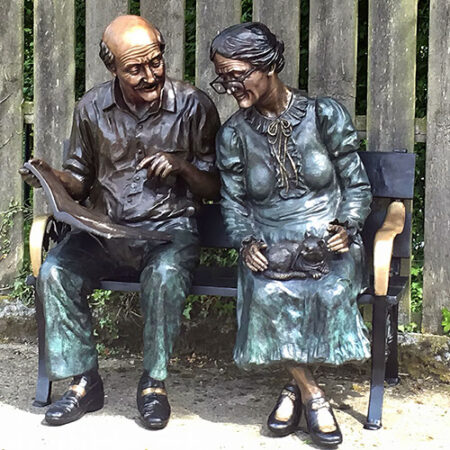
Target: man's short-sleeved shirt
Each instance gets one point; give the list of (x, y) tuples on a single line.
[(108, 142)]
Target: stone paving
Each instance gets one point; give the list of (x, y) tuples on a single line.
[(215, 406)]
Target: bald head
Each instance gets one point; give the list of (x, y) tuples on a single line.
[(125, 32)]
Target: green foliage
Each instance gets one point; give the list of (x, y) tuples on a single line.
[(80, 47), (105, 320), (247, 13), (361, 69), (6, 224), (205, 305), (134, 7), (190, 40), (20, 289), (416, 286), (446, 321), (304, 44), (422, 57), (28, 51), (411, 327), (108, 310)]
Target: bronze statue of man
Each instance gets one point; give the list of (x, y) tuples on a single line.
[(142, 152)]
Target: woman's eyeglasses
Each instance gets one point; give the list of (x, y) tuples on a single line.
[(221, 86)]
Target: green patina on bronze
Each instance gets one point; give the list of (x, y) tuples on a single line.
[(308, 320)]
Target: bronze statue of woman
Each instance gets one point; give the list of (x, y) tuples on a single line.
[(294, 198)]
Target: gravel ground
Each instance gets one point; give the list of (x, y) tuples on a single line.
[(214, 406)]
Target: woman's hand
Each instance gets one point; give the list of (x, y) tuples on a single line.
[(339, 241), (252, 256)]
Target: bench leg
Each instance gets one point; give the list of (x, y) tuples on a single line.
[(43, 385), (391, 376), (373, 421)]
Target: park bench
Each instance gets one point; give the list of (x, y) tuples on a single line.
[(386, 237)]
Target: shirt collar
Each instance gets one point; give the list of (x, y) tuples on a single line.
[(168, 101)]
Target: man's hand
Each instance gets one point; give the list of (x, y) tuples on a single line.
[(339, 241), (252, 256), (161, 165), (201, 183), (28, 177)]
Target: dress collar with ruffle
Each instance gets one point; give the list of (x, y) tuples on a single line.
[(294, 114)]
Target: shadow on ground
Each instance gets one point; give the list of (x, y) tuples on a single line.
[(216, 405)]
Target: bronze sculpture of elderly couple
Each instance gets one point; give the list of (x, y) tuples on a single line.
[(145, 150)]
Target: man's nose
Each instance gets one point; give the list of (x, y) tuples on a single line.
[(149, 76)]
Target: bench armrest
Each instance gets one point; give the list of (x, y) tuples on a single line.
[(37, 234), (384, 240)]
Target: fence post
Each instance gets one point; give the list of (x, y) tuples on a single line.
[(54, 76), (213, 17), (391, 85), (11, 131), (333, 33), (99, 13), (168, 17), (283, 19), (436, 274)]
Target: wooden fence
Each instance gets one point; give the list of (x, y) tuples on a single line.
[(389, 122)]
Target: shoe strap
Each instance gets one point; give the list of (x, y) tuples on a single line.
[(291, 395), (319, 403), (153, 390), (78, 389)]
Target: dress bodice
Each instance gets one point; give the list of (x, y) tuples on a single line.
[(321, 167)]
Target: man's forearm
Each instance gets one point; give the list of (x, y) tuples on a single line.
[(201, 183)]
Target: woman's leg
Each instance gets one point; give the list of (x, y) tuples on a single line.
[(309, 391)]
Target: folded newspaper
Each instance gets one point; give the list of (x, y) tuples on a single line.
[(66, 209)]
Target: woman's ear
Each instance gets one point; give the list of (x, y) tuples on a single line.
[(271, 70)]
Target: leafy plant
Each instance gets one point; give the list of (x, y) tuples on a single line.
[(446, 321), (247, 13), (21, 290), (6, 224), (411, 327), (190, 40)]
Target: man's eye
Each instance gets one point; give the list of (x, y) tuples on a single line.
[(133, 70), (156, 62)]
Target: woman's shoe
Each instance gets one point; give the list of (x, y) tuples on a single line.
[(322, 425), (284, 418)]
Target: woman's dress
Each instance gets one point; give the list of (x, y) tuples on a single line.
[(282, 178)]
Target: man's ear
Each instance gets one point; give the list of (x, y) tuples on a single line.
[(271, 70), (113, 70)]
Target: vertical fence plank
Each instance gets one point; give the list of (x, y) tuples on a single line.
[(333, 33), (99, 13), (391, 77), (436, 277), (168, 16), (391, 84), (54, 74), (283, 19), (11, 129), (213, 17)]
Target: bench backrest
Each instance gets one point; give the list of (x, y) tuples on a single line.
[(391, 175)]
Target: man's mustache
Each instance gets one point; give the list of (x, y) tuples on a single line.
[(145, 85)]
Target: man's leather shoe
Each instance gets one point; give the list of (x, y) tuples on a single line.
[(317, 426), (85, 394), (284, 418), (152, 402)]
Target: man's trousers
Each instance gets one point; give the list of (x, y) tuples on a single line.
[(74, 268)]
